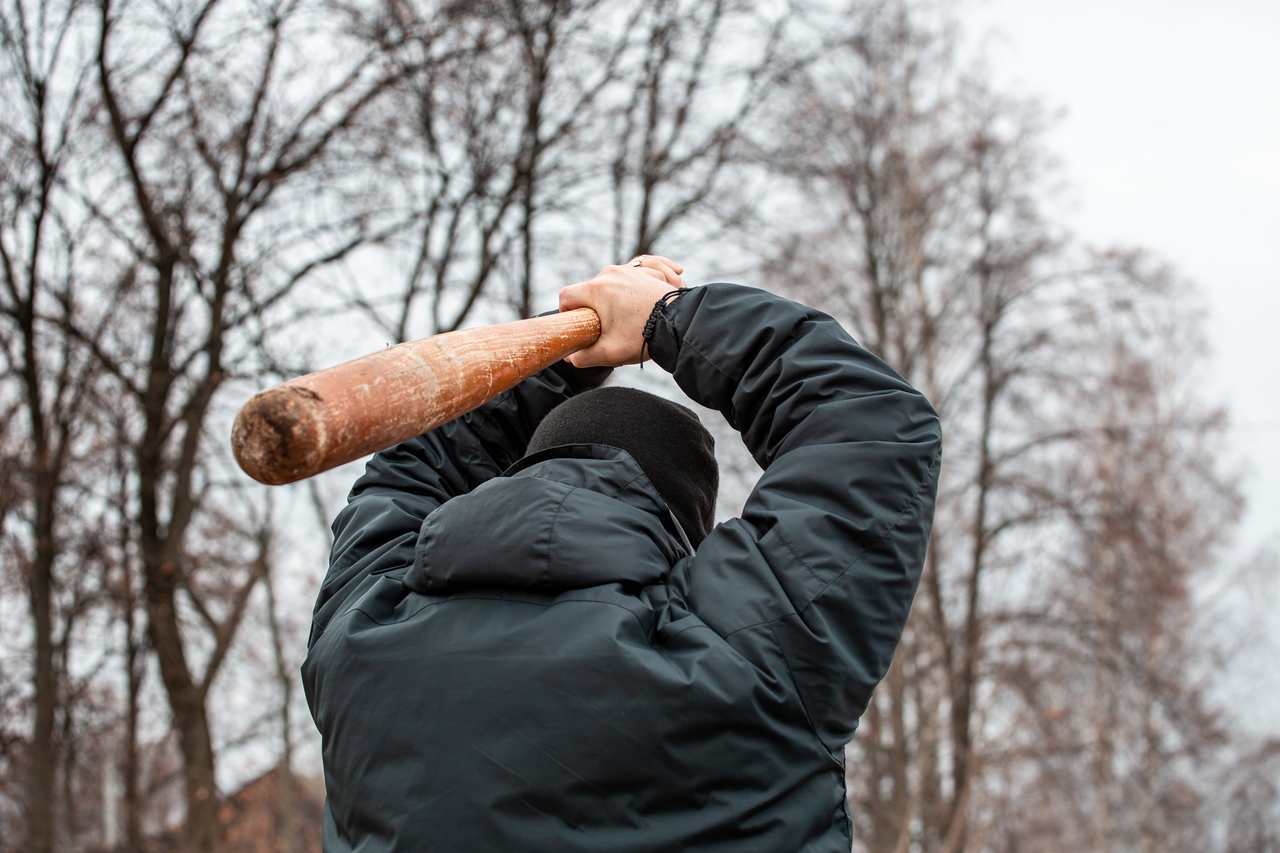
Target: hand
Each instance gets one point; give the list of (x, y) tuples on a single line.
[(623, 296)]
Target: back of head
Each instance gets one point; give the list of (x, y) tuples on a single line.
[(673, 448)]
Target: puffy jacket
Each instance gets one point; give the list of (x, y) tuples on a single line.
[(518, 654)]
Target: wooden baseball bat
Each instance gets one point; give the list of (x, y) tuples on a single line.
[(325, 419)]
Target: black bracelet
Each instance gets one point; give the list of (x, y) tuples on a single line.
[(659, 310)]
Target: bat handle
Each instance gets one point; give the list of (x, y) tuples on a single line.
[(334, 416)]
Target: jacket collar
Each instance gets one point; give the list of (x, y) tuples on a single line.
[(570, 517)]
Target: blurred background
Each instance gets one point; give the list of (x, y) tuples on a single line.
[(1053, 218)]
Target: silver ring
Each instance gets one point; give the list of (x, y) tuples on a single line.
[(637, 262)]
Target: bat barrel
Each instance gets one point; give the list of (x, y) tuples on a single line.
[(325, 419)]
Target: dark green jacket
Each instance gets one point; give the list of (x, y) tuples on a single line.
[(529, 660)]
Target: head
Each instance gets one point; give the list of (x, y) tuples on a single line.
[(673, 448)]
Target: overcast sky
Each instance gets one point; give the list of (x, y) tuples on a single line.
[(1171, 141)]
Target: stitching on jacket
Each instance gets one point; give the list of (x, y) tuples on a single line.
[(777, 531), (792, 612), (551, 531), (613, 494), (691, 345), (682, 342), (793, 337), (795, 685), (911, 502), (699, 624), (617, 491), (736, 419)]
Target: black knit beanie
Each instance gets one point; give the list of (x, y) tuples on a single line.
[(674, 449)]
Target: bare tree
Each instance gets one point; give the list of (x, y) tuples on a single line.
[(924, 200), (231, 192), (48, 378), (484, 143), (190, 190), (581, 129), (1251, 818), (1108, 664), (689, 115)]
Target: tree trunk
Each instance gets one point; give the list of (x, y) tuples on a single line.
[(40, 780), (288, 811), (190, 718), (186, 697)]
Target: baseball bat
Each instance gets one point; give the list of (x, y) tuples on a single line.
[(331, 417)]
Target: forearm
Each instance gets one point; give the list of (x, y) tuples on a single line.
[(827, 555), (774, 368)]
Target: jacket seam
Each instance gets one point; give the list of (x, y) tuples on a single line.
[(777, 530), (694, 627), (551, 532), (911, 502), (808, 718), (735, 419), (727, 375), (792, 338), (795, 685), (765, 622), (614, 494)]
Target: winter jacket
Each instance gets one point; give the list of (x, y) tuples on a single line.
[(518, 654)]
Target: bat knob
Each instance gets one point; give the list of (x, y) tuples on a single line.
[(276, 435)]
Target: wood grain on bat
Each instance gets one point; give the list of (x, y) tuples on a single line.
[(325, 419)]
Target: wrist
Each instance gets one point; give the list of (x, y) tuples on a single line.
[(659, 315)]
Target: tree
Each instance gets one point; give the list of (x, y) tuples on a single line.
[(191, 190), (49, 384), (480, 144), (231, 193), (1115, 715), (542, 128), (680, 135), (924, 200)]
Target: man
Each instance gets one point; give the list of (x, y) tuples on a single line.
[(530, 638)]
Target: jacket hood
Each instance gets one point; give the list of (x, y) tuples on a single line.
[(571, 517)]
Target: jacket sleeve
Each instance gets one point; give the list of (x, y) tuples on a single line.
[(376, 531), (824, 562)]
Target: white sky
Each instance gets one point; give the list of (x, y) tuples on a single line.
[(1171, 141)]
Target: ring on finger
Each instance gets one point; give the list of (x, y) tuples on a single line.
[(637, 262)]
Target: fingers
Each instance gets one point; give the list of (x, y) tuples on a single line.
[(658, 266), (586, 293), (575, 296), (646, 260), (623, 295)]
